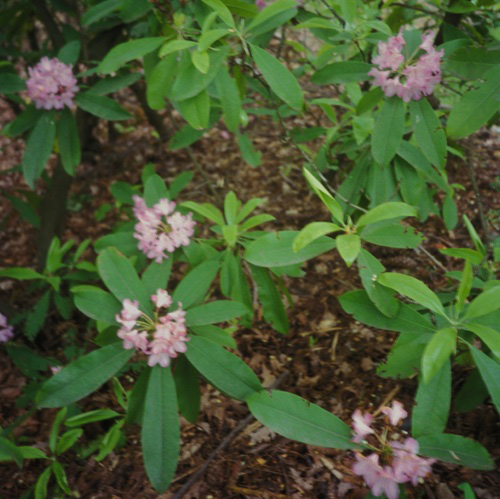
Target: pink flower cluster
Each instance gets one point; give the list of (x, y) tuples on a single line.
[(160, 229), (6, 331), (408, 80), (51, 84), (401, 462), (161, 338)]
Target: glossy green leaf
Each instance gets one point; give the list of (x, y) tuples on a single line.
[(90, 417), (215, 312), (121, 278), (414, 289), (42, 483), (490, 336), (195, 285), (348, 246), (457, 450), (68, 141), (160, 80), (430, 414), (490, 372), (295, 418), (101, 106), (38, 148), (156, 275), (173, 46), (269, 11), (128, 51), (254, 221), (224, 370), (223, 12), (487, 302), (476, 107), (207, 210), (196, 110), (229, 97), (187, 389), (386, 211), (96, 303), (311, 232), (155, 190), (438, 351), (160, 434), (282, 82), (124, 242), (83, 376), (391, 234), (275, 249), (67, 440), (388, 132), (201, 60)]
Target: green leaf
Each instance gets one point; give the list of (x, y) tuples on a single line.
[(83, 376), (476, 107), (386, 211), (252, 222), (121, 278), (67, 440), (224, 370), (114, 83), (155, 190), (125, 242), (100, 11), (196, 110), (488, 335), (216, 335), (10, 452), (383, 298), (465, 286), (229, 97), (160, 81), (102, 107), (485, 303), (128, 51), (184, 137), (195, 285), (11, 84), (269, 11), (414, 289), (42, 483), (273, 309), (311, 232), (137, 397), (207, 210), (38, 148), (388, 132), (282, 82), (156, 276), (490, 372), (348, 246), (160, 434), (393, 235), (209, 37), (432, 408), (457, 450), (70, 52), (428, 132), (36, 317), (250, 155), (471, 394), (187, 388), (473, 256), (90, 417), (21, 273), (275, 249), (407, 320), (201, 61), (342, 72), (471, 63), (231, 206), (233, 281), (96, 303), (295, 418), (223, 12), (438, 351), (190, 82), (61, 479), (214, 312), (68, 141)]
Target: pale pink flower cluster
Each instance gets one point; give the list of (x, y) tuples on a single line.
[(401, 462), (6, 331), (160, 229), (51, 84), (408, 80), (161, 338)]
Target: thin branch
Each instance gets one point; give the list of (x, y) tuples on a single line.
[(431, 256), (225, 443)]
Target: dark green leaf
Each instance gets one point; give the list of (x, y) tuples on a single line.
[(490, 372), (102, 107), (342, 72), (188, 389), (215, 312), (96, 303), (68, 141), (36, 317)]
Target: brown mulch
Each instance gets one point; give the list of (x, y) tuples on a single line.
[(331, 359)]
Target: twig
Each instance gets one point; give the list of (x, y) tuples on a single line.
[(387, 399), (431, 256), (257, 493), (225, 443)]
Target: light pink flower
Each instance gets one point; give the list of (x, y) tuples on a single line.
[(408, 80), (380, 480), (162, 298), (6, 331), (407, 465), (129, 314), (161, 230), (395, 413), (51, 84), (134, 339), (361, 425)]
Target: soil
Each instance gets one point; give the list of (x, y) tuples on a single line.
[(327, 357)]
